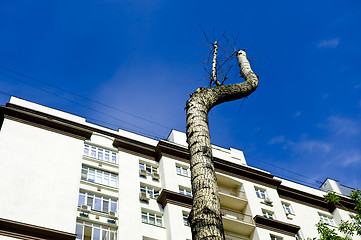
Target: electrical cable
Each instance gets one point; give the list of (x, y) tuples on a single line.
[(88, 99), (153, 134), (273, 165)]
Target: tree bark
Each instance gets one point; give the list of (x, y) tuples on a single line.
[(205, 217)]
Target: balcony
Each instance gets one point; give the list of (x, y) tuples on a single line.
[(231, 236), (232, 198), (237, 222)]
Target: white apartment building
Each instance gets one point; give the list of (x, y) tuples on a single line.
[(65, 178)]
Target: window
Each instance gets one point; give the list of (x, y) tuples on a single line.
[(185, 191), (268, 214), (326, 219), (153, 193), (99, 176), (261, 193), (185, 219), (100, 153), (353, 219), (287, 208), (275, 238), (89, 231), (148, 168), (299, 235), (152, 218), (97, 202), (184, 171)]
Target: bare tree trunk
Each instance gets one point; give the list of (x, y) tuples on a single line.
[(205, 217)]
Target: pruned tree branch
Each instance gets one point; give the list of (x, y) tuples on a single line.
[(214, 64), (206, 217)]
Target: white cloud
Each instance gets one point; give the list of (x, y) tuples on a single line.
[(341, 126), (278, 139), (313, 146), (347, 157), (331, 43), (310, 146)]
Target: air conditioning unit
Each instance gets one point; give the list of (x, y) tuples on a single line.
[(84, 210), (143, 196), (112, 215), (155, 176), (268, 200), (142, 173)]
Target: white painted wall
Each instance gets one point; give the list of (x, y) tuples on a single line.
[(129, 207), (176, 230), (264, 234), (40, 178)]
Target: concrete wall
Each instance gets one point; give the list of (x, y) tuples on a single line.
[(40, 176)]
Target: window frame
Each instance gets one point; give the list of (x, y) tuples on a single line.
[(95, 152), (183, 170), (299, 235), (146, 166), (153, 192), (185, 191), (274, 237), (353, 218), (102, 229), (287, 208), (185, 219), (147, 215), (94, 196), (99, 176), (261, 193), (268, 214), (327, 219)]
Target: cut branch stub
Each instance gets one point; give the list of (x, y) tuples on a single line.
[(214, 64)]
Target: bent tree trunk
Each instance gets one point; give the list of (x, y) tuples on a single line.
[(205, 217)]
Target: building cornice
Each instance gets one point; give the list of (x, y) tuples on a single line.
[(166, 148), (20, 230), (276, 226), (175, 198), (135, 146), (45, 122), (305, 198), (245, 172)]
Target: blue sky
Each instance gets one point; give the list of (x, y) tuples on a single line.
[(144, 59)]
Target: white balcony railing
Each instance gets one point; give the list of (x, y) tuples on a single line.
[(237, 216), (230, 236), (232, 191)]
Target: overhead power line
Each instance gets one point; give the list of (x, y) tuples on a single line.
[(154, 135), (85, 98), (317, 182)]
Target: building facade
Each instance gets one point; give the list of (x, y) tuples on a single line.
[(65, 178)]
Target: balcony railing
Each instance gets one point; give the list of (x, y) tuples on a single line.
[(237, 222), (232, 198), (230, 236), (232, 192), (237, 215)]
